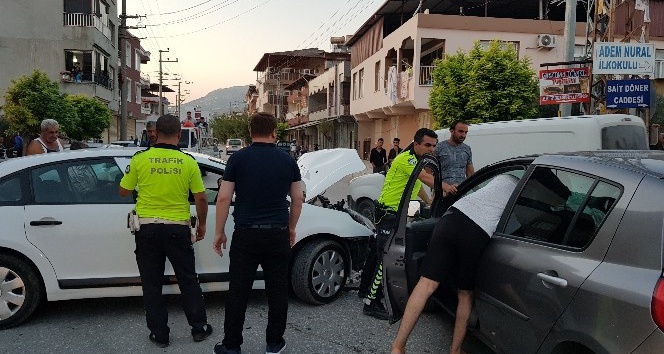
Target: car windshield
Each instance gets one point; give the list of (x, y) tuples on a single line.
[(234, 142)]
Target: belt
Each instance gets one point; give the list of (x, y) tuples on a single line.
[(263, 226), (163, 221)]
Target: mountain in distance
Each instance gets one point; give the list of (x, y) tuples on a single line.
[(219, 101)]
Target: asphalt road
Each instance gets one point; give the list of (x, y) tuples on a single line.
[(118, 326)]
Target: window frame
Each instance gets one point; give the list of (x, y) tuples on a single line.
[(509, 209), (25, 191)]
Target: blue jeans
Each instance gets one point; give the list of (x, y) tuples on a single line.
[(269, 248)]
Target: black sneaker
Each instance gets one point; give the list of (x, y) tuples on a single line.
[(376, 310), (159, 343), (201, 334), (220, 349), (275, 348)]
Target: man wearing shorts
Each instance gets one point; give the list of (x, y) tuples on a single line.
[(456, 245)]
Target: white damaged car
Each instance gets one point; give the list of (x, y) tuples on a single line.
[(64, 231)]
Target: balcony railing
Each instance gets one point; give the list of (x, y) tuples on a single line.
[(101, 79), (86, 20), (426, 79)]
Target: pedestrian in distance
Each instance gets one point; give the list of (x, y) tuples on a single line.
[(264, 231), (378, 157), (18, 145), (77, 145), (660, 142), (293, 149), (164, 176), (455, 247), (456, 158), (395, 150), (371, 281), (151, 130), (48, 139)]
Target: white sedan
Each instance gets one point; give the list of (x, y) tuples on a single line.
[(65, 236)]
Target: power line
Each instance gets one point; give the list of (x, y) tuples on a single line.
[(224, 21), (198, 15), (174, 12)]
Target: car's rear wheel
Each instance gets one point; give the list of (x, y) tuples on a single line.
[(319, 272), (366, 208), (20, 291)]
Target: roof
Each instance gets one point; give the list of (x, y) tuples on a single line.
[(155, 87), (280, 59), (400, 11)]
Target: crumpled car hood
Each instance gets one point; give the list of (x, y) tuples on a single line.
[(323, 168)]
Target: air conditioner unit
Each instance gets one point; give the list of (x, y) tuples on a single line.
[(546, 41)]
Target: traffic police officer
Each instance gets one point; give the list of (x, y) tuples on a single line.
[(371, 282), (164, 176)]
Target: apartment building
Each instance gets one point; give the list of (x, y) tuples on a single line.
[(277, 72), (75, 42), (393, 54)]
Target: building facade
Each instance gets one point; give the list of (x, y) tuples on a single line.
[(73, 42), (393, 56)]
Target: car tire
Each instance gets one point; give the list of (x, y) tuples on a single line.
[(319, 272), (366, 208), (20, 291)]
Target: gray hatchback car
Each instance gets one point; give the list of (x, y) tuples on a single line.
[(575, 265)]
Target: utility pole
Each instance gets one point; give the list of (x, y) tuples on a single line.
[(122, 37), (570, 36), (161, 73)]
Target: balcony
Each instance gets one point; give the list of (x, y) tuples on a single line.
[(87, 20), (101, 79), (426, 79)]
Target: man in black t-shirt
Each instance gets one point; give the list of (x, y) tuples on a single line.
[(264, 230), (395, 150), (378, 157)]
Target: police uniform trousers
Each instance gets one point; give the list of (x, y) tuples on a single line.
[(251, 247), (155, 243), (371, 279)]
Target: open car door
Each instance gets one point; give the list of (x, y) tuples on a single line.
[(405, 248)]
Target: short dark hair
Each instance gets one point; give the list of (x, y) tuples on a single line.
[(168, 125), (397, 140), (419, 135), (380, 139), (458, 121), (262, 124), (77, 145)]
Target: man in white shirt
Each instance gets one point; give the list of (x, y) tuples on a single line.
[(456, 245)]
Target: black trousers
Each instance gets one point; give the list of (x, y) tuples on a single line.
[(371, 284), (155, 243), (269, 248)]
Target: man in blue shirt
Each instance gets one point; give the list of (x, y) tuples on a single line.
[(264, 230)]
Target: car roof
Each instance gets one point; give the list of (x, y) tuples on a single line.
[(20, 163), (646, 162)]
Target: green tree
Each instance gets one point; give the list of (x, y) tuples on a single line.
[(483, 85), (658, 117), (231, 126), (281, 130), (31, 99), (93, 117)]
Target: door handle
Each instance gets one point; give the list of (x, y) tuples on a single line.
[(552, 280), (45, 222)]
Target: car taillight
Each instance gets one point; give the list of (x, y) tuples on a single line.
[(657, 306)]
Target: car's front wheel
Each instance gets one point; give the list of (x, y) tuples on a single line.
[(319, 272), (20, 291)]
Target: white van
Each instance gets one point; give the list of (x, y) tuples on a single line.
[(495, 141), (190, 139)]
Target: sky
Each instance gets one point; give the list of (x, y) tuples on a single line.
[(218, 42)]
